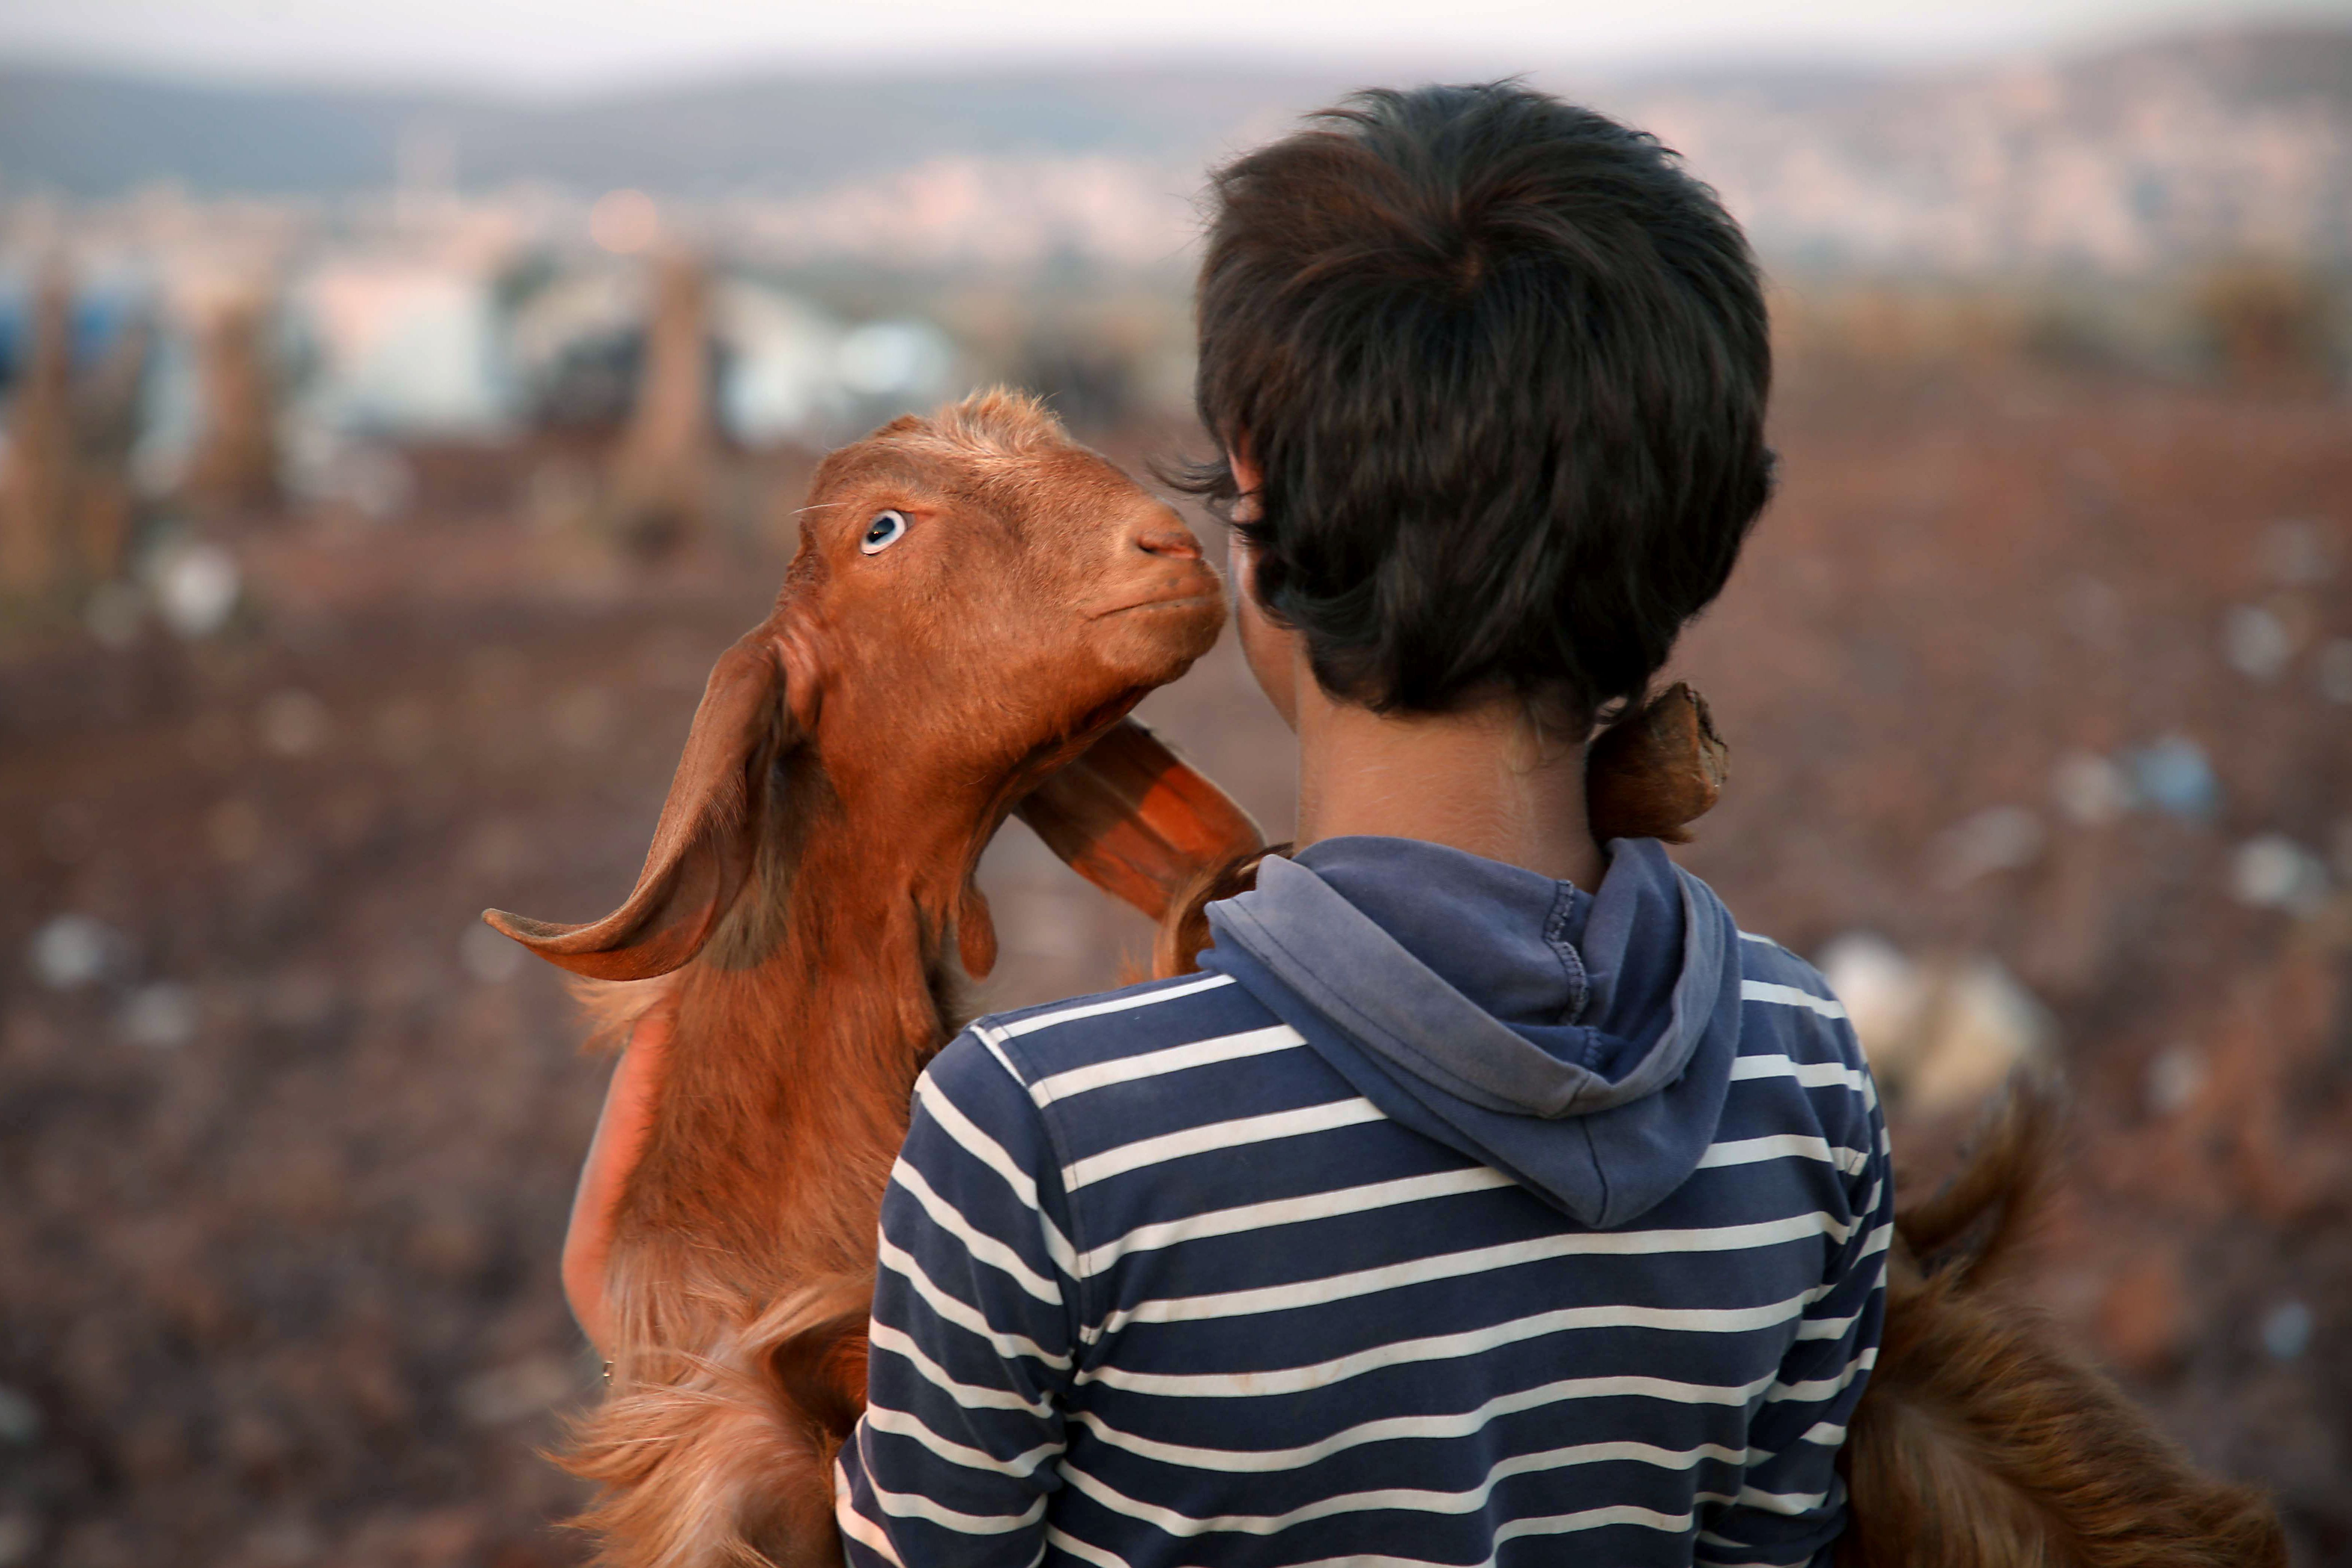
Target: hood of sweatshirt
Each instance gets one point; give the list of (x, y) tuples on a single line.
[(1581, 1043)]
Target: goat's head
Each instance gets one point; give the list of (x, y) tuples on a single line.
[(974, 599)]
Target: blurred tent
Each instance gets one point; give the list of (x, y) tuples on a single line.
[(402, 348)]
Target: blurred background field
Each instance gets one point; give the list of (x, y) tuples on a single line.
[(384, 466)]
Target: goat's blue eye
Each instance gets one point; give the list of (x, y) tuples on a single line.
[(884, 532)]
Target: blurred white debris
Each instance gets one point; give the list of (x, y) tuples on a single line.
[(2299, 550), (1998, 839), (161, 1016), (197, 587), (2173, 774), (114, 613), (487, 956), (2090, 790), (2273, 872), (2256, 642), (510, 1393), (74, 951), (293, 723), (1940, 1035), (2175, 1078), (2335, 670), (2286, 1331), (1880, 987)]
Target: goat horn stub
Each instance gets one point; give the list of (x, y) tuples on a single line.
[(1137, 820), (1657, 770)]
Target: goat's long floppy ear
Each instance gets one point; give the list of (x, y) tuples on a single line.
[(1655, 771), (704, 844), (1137, 820)]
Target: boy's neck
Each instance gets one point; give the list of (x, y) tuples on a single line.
[(1484, 781)]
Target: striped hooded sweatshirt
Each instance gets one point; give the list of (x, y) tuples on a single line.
[(1452, 1215)]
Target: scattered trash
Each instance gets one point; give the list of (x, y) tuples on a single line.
[(2175, 1078), (2333, 666), (2286, 1332), (2273, 872), (510, 1392), (2256, 642), (2090, 790), (74, 951), (294, 723), (487, 956), (161, 1016), (1998, 838), (20, 1419), (2173, 776), (196, 588), (1940, 1035)]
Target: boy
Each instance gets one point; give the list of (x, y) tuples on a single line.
[(1489, 1196)]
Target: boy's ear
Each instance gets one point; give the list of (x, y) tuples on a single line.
[(1655, 771), (708, 833), (1137, 820)]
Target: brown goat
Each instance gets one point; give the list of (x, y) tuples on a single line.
[(1978, 1442), (975, 601)]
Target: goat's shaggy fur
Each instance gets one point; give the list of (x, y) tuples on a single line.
[(1979, 1442)]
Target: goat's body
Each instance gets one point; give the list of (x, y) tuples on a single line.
[(975, 602), (748, 1221), (1979, 1442)]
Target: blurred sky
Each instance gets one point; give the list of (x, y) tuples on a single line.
[(562, 43)]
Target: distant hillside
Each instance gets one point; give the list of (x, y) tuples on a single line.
[(91, 135), (2124, 160)]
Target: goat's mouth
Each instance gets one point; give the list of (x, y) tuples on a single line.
[(1188, 600)]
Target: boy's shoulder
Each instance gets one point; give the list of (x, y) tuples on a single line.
[(1057, 1047), (1795, 1028)]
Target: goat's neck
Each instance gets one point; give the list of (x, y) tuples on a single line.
[(798, 1037)]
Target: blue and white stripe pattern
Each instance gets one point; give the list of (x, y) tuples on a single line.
[(1157, 1287)]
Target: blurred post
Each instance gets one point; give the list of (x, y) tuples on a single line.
[(660, 481), (235, 462), (36, 482), (106, 412)]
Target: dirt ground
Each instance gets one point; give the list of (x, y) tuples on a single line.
[(286, 1147)]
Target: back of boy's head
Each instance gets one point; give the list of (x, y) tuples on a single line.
[(1503, 368)]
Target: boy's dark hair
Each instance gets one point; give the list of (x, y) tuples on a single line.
[(1503, 367)]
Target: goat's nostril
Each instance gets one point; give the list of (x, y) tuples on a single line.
[(1176, 542)]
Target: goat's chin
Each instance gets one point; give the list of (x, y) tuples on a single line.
[(1153, 644)]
